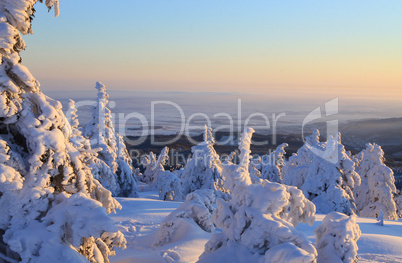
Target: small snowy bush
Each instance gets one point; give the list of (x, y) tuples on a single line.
[(168, 185), (197, 208), (336, 238), (153, 166)]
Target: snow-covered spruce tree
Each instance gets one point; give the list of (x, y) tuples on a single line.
[(195, 210), (295, 169), (331, 178), (336, 238), (257, 222), (100, 130), (203, 170), (377, 189), (125, 171), (100, 170), (58, 212), (272, 164), (76, 137)]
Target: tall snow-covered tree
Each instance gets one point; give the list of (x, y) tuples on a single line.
[(272, 164), (203, 170), (329, 184), (100, 130), (257, 222), (100, 170), (59, 211), (377, 189), (325, 172)]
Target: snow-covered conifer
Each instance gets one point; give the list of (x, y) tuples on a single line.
[(125, 171), (56, 203), (272, 164), (119, 178), (100, 131), (254, 221), (203, 170), (331, 178), (336, 238), (377, 188), (295, 169)]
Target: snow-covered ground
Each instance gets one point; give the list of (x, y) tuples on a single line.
[(140, 217)]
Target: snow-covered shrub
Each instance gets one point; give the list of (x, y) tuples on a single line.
[(299, 209), (255, 220), (377, 188), (153, 166), (336, 238), (272, 164), (148, 162), (168, 185), (197, 208), (203, 170), (49, 201), (119, 179), (380, 218)]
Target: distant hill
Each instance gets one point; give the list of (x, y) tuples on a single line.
[(355, 135), (385, 132)]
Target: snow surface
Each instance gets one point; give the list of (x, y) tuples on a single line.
[(140, 219)]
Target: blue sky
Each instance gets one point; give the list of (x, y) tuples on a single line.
[(335, 47)]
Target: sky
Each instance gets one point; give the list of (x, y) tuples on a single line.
[(294, 48)]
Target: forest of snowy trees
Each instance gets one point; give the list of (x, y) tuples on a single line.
[(58, 181)]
